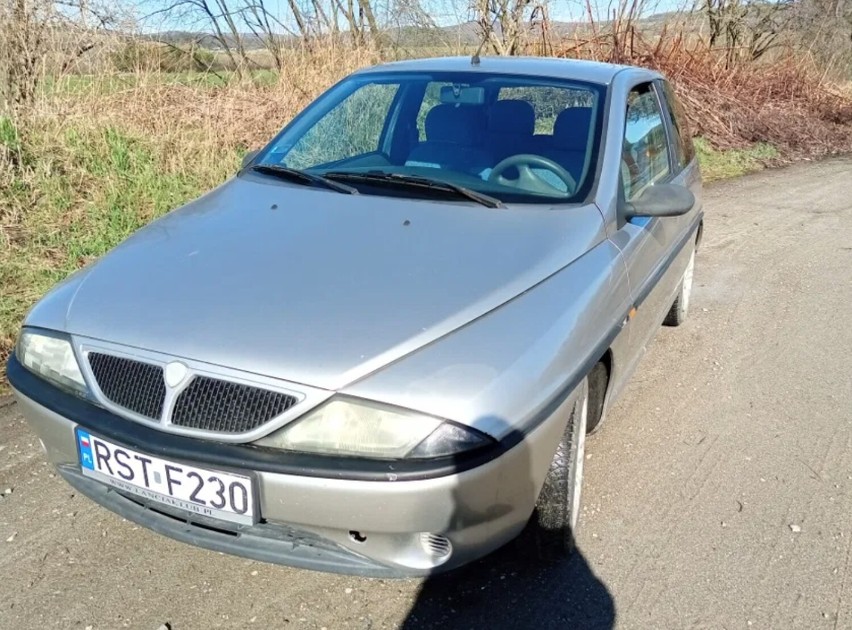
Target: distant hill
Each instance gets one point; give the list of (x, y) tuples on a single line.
[(466, 33), (462, 34)]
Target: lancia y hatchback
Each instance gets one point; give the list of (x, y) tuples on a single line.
[(378, 348)]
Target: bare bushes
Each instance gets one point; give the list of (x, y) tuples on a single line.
[(24, 32), (732, 100)]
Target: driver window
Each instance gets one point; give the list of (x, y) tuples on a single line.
[(645, 154), (354, 127)]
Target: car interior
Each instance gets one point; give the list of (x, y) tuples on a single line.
[(476, 138)]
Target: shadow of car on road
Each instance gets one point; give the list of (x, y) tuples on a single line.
[(510, 590), (514, 587)]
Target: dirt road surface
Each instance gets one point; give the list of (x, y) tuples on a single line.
[(718, 494)]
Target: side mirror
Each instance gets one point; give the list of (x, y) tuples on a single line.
[(248, 157), (661, 200)]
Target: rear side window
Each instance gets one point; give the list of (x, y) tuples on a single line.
[(680, 126), (645, 154), (547, 102)]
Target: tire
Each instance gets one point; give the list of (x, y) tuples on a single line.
[(554, 520), (598, 383), (680, 307)]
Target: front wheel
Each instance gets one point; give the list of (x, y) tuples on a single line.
[(554, 520)]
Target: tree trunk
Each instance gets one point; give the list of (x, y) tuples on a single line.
[(367, 12), (228, 16)]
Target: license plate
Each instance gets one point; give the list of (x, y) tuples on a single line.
[(206, 492)]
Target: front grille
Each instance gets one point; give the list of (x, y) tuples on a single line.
[(134, 385), (213, 405)]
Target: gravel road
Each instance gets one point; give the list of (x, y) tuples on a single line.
[(718, 494)]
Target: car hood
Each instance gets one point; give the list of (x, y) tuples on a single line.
[(315, 287)]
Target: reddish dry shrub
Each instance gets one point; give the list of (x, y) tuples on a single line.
[(788, 103)]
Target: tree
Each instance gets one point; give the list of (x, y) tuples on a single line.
[(501, 23), (746, 28), (825, 28), (24, 34), (37, 35)]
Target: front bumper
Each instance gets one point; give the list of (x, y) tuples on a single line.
[(265, 542), (378, 527)]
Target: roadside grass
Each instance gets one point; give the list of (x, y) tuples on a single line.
[(722, 164), (93, 85), (89, 189)]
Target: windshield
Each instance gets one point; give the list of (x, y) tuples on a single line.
[(514, 139)]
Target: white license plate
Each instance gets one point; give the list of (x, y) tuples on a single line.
[(206, 492)]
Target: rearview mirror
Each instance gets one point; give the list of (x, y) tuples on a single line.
[(463, 94), (661, 200), (248, 157)]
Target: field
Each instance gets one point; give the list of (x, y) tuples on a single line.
[(98, 156)]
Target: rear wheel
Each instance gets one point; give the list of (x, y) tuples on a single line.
[(680, 307), (557, 510)]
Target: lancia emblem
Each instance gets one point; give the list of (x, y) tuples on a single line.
[(174, 373)]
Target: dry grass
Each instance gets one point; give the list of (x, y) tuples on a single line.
[(236, 115), (787, 104)]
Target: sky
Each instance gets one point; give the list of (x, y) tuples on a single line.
[(443, 12)]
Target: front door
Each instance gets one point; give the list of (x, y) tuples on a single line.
[(656, 250)]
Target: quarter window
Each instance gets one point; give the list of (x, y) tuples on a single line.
[(645, 154)]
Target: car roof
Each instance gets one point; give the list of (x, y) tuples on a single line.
[(579, 70)]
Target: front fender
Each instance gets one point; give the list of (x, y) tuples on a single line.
[(509, 370)]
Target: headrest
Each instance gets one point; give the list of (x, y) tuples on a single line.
[(457, 124), (571, 129), (511, 117)]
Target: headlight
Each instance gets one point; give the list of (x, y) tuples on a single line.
[(348, 427), (53, 359)]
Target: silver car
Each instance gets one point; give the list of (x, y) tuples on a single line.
[(379, 347)]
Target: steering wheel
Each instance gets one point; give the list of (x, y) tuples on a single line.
[(527, 179)]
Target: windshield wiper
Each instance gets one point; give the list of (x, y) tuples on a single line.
[(303, 177), (378, 177)]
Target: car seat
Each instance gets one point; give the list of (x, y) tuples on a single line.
[(511, 124), (454, 135)]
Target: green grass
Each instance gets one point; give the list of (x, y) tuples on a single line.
[(82, 85), (67, 196), (717, 164)]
